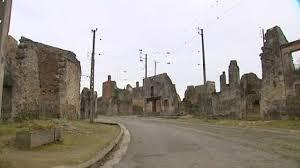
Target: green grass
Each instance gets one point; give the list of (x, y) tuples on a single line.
[(7, 128), (283, 124), (10, 128), (84, 135), (81, 142)]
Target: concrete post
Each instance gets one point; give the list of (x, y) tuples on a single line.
[(5, 13)]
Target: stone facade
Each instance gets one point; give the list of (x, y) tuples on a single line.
[(276, 96), (280, 78), (139, 100), (42, 81), (237, 100), (115, 101), (5, 14), (160, 96), (85, 103), (197, 99), (250, 97)]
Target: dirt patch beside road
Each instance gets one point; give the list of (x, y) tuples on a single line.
[(82, 141)]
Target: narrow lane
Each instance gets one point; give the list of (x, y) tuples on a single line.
[(159, 144)]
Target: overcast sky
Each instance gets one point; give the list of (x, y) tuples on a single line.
[(232, 31)]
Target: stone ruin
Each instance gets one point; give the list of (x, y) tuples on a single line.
[(5, 14), (40, 81), (237, 100), (158, 96), (115, 101), (85, 103), (281, 82), (275, 96)]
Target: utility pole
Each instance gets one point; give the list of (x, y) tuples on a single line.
[(200, 32), (207, 107), (92, 78), (146, 66)]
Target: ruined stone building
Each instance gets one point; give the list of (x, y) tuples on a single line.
[(280, 83), (115, 101), (276, 96), (197, 99), (86, 104), (5, 14), (158, 96), (161, 97), (40, 81), (237, 100)]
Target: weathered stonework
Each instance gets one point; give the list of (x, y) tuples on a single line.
[(273, 88), (158, 96), (5, 14), (85, 103), (45, 81), (115, 101), (236, 100), (198, 99), (276, 96), (250, 97), (280, 78)]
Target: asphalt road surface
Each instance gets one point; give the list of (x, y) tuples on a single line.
[(163, 143)]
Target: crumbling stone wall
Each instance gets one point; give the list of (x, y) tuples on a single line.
[(236, 100), (198, 99), (273, 93), (161, 97), (46, 81), (115, 101), (132, 101), (226, 103), (292, 79), (85, 103), (250, 100), (5, 14)]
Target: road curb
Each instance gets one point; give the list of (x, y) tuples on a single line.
[(104, 152)]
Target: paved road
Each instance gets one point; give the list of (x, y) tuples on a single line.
[(161, 143)]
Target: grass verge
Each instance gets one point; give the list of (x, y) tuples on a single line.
[(82, 141), (282, 124)]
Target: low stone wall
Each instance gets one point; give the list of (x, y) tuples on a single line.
[(38, 138)]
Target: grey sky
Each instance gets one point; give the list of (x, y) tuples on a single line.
[(232, 31)]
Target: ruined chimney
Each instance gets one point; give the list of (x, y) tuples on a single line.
[(222, 81), (137, 84), (109, 78), (234, 74)]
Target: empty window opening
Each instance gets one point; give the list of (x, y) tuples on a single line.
[(152, 91), (296, 59), (296, 62), (166, 103)]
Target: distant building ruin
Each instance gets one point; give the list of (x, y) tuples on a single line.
[(237, 100), (40, 81), (161, 97), (115, 101), (276, 96), (158, 96)]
